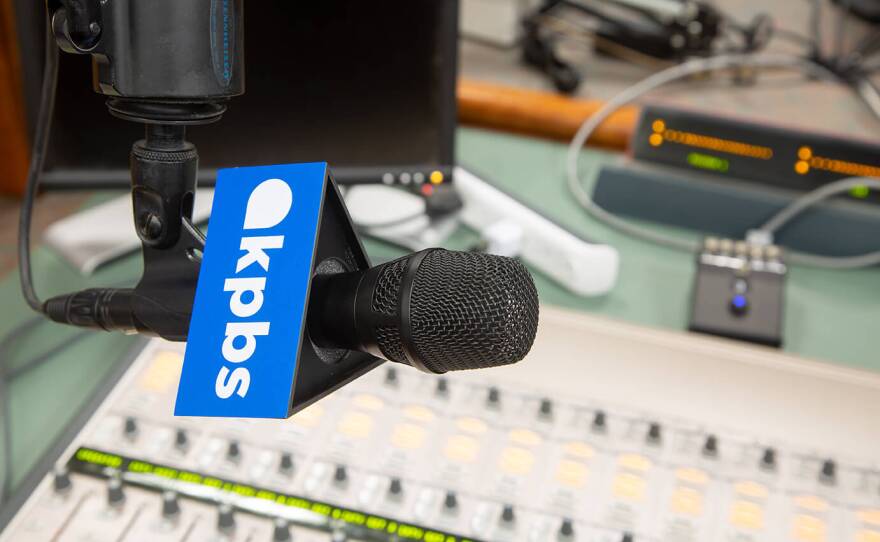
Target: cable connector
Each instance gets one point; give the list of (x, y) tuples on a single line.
[(759, 237)]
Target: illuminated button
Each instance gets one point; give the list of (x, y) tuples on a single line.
[(474, 426), (811, 503), (581, 450), (408, 436), (739, 305), (866, 535), (629, 486), (162, 373), (418, 177), (517, 461), (436, 177), (871, 516), (747, 515), (695, 477), (752, 490), (418, 413), (600, 422), (525, 437), (634, 462), (572, 473), (462, 448), (356, 425), (687, 501), (809, 529), (369, 402)]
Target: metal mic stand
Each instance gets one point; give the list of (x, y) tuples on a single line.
[(166, 64)]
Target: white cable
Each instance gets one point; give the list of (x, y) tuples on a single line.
[(664, 77)]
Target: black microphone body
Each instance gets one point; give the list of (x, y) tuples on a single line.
[(436, 310)]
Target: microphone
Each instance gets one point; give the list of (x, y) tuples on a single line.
[(436, 310)]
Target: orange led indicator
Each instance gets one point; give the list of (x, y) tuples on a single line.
[(805, 153), (802, 167), (655, 140), (659, 126)]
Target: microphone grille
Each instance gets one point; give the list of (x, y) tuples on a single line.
[(472, 311)]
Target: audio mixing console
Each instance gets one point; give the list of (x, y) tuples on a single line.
[(605, 433)]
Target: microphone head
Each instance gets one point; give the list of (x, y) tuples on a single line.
[(455, 310)]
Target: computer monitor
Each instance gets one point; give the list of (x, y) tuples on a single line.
[(367, 86)]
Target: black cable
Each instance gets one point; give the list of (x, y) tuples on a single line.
[(38, 156)]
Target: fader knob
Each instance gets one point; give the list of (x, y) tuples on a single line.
[(545, 410), (225, 518), (61, 481), (508, 515), (170, 505), (130, 428), (768, 459), (281, 531), (115, 493), (655, 433), (600, 421), (285, 464), (450, 501), (829, 472), (493, 397), (442, 389), (233, 452), (391, 376), (566, 530), (340, 475), (395, 487), (710, 447), (181, 440)]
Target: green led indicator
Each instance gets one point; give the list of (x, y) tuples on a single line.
[(860, 191), (706, 161)]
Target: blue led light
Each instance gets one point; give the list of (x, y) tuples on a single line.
[(739, 301)]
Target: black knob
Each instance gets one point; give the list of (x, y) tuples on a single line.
[(395, 487), (61, 481), (391, 376), (281, 531), (566, 530), (285, 464), (115, 492), (225, 518), (628, 537), (450, 501), (829, 472), (130, 428), (768, 459), (181, 440), (546, 408), (600, 422), (493, 398), (710, 447), (233, 452), (442, 387), (655, 433), (340, 475), (170, 505), (507, 514)]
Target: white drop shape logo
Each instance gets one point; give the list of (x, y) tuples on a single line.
[(268, 205)]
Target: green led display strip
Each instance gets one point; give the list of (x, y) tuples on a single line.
[(96, 463)]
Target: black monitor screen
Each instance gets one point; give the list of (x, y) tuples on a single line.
[(357, 84)]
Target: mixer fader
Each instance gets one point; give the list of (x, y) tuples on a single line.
[(606, 433)]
